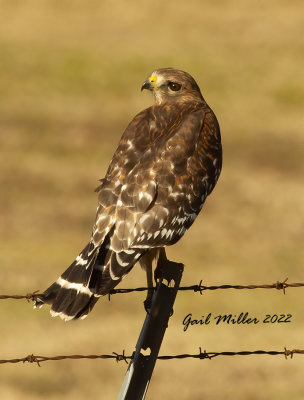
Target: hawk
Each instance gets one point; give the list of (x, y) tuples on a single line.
[(167, 162)]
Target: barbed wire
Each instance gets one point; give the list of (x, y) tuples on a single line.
[(202, 355), (38, 359), (28, 297), (279, 285), (200, 288)]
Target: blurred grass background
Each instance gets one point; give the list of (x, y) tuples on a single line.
[(70, 74)]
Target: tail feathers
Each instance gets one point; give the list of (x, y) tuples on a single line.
[(94, 273), (70, 297), (71, 304)]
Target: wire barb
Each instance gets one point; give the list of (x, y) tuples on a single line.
[(32, 359), (121, 357), (32, 296), (199, 287), (282, 285), (203, 355)]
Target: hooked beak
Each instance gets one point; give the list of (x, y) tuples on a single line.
[(147, 85)]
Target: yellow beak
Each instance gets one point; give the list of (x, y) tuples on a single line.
[(150, 83)]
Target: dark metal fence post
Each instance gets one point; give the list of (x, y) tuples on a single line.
[(141, 367)]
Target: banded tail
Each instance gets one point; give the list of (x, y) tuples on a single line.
[(94, 273)]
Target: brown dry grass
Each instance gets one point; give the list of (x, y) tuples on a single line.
[(70, 74)]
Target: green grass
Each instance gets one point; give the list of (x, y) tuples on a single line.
[(70, 77)]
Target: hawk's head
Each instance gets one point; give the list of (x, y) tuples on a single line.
[(172, 85)]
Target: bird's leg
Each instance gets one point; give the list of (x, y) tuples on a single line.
[(146, 261), (162, 263), (146, 264), (162, 259), (147, 302)]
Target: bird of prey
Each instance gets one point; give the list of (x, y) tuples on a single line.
[(167, 162)]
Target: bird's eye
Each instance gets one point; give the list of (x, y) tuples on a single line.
[(174, 86)]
